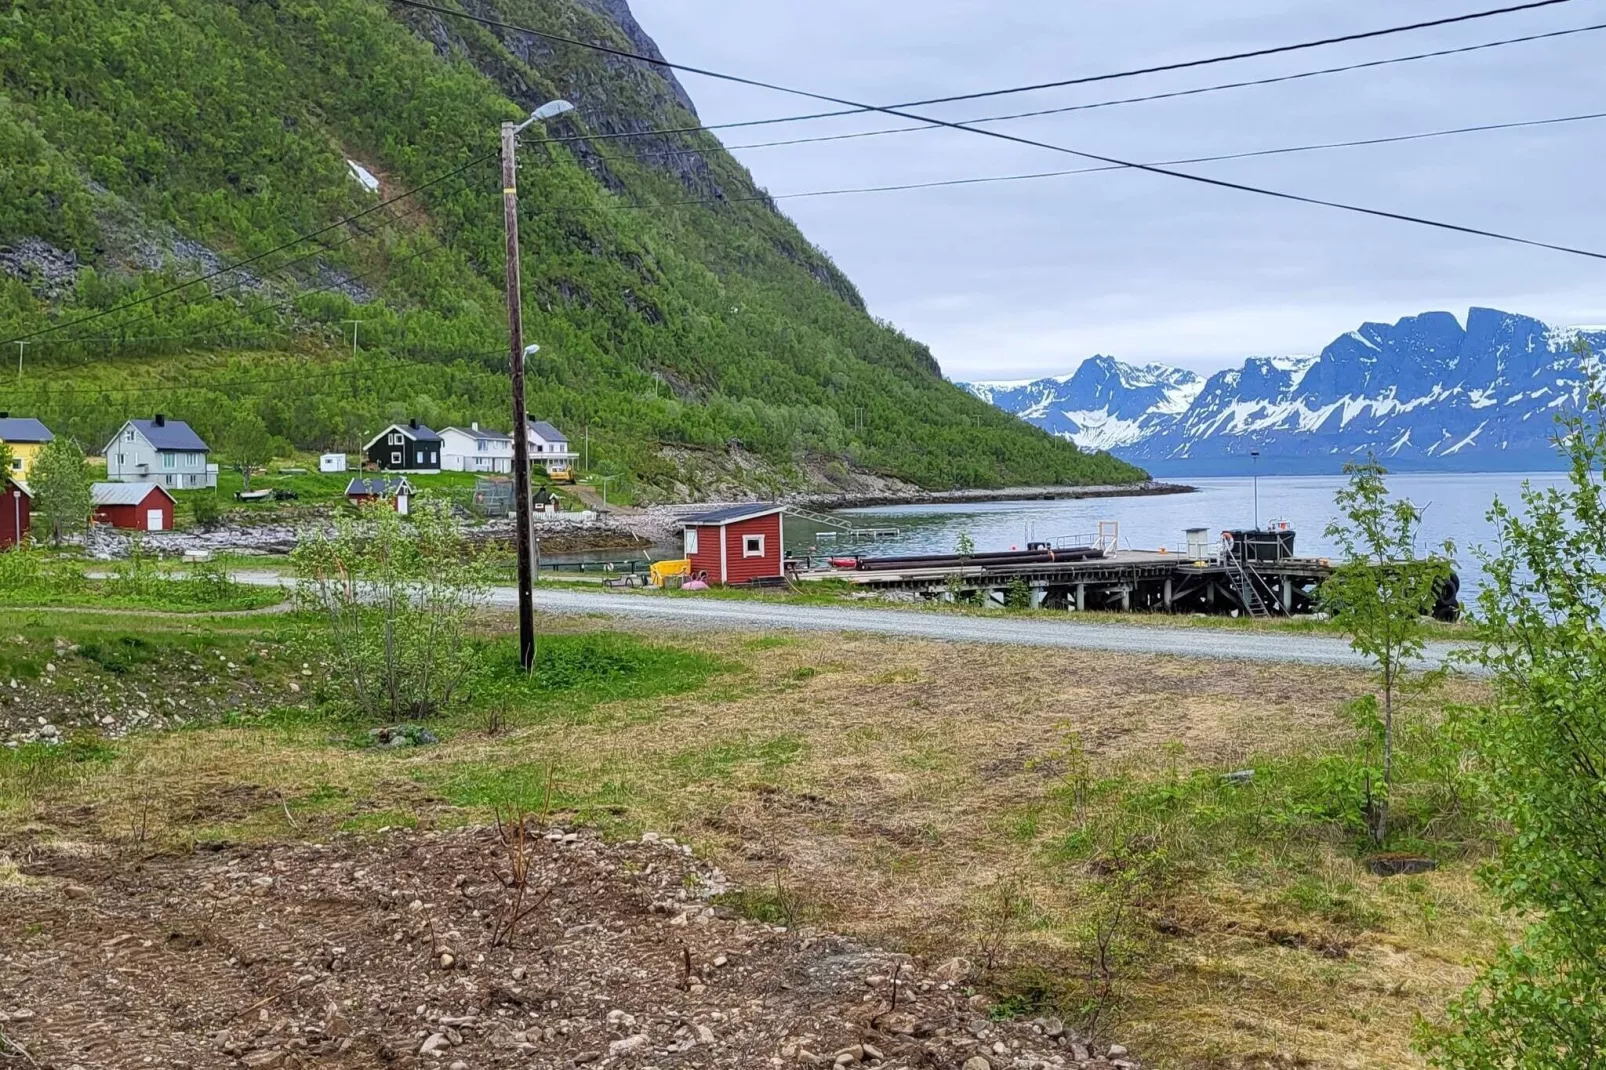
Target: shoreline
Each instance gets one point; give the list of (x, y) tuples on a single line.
[(999, 494)]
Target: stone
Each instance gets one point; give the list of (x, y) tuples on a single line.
[(627, 1045), (1116, 1052), (1053, 1027), (436, 1042), (258, 1060), (705, 1035), (952, 971), (519, 973), (977, 1062), (873, 1052), (1396, 865), (458, 1065), (448, 960)]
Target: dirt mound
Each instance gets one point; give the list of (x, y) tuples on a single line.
[(430, 949)]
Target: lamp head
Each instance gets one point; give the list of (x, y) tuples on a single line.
[(531, 350), (551, 110)]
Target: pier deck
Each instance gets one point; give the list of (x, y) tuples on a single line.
[(1121, 580)]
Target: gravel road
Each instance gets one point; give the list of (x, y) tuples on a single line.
[(1068, 634), (1215, 643)]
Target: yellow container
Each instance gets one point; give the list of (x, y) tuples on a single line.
[(662, 570)]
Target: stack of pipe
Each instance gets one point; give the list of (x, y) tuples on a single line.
[(1004, 558)]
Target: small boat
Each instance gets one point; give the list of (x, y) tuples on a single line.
[(253, 495), (844, 562)]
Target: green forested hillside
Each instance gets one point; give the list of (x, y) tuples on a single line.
[(144, 142)]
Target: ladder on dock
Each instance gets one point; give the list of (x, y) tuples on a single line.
[(823, 519), (1248, 594)]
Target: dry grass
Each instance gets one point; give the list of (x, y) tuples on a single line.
[(900, 790)]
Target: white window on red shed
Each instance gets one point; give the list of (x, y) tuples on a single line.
[(691, 541), (752, 546)]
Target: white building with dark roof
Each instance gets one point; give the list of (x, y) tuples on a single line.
[(159, 450), (475, 449)]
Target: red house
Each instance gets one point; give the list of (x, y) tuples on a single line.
[(740, 544), (16, 513), (135, 506)]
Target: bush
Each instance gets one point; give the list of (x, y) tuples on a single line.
[(205, 510)]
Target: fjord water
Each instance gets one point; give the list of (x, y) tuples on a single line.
[(1456, 507)]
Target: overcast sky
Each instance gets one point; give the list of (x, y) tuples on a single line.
[(1021, 279)]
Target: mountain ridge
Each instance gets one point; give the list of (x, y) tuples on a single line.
[(680, 314), (1424, 393)]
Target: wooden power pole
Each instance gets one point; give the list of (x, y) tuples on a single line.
[(521, 434)]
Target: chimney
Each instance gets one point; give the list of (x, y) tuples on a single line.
[(474, 426), (413, 424), (160, 421)]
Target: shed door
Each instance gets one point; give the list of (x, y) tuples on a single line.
[(153, 520)]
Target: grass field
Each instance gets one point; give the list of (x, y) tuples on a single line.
[(1061, 820)]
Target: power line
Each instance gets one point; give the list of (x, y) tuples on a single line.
[(1200, 90), (857, 109), (900, 112), (894, 188), (251, 259)]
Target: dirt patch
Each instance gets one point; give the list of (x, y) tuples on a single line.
[(384, 950)]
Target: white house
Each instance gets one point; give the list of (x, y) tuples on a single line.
[(549, 448), (160, 451), (476, 450)]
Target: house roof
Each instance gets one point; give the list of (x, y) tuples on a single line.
[(481, 434), (170, 435), (547, 431), (732, 513), (418, 433), (101, 494), (23, 429), (7, 481), (379, 488)]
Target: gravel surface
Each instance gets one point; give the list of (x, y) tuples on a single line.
[(462, 950), (1033, 631)]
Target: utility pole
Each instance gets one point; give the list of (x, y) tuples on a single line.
[(524, 523), (586, 463), (521, 422), (605, 481), (354, 324), (1254, 461), (20, 347)]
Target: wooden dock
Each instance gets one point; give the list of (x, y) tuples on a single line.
[(1122, 580)]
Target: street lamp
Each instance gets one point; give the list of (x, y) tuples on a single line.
[(1254, 461), (517, 351)]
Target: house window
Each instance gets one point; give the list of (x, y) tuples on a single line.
[(395, 458), (121, 457), (752, 546), (482, 445), (171, 481), (396, 439), (128, 436), (192, 459), (169, 460), (691, 541), (16, 464)]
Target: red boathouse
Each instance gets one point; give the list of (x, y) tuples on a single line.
[(134, 506), (740, 544), (16, 512)]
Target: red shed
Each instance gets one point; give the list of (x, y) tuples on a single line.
[(16, 512), (135, 506), (740, 544)]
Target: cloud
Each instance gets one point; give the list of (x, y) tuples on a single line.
[(1029, 278)]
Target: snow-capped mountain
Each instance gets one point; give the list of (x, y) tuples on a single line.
[(1424, 393), (1104, 405)]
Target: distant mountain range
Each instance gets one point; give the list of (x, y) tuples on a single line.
[(1423, 394)]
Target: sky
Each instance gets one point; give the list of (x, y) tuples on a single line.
[(1021, 279)]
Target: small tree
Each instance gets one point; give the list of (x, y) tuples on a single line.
[(1380, 595), (60, 484), (247, 444), (5, 460), (398, 596), (1541, 745)]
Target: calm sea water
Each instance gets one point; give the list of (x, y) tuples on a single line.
[(1456, 506)]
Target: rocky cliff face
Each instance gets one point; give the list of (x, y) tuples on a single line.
[(1423, 393)]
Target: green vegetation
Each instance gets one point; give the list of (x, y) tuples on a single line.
[(1381, 595), (60, 484), (663, 323), (37, 578), (1541, 749)]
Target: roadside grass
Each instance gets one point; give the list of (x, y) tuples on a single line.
[(1059, 818), (43, 578)]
